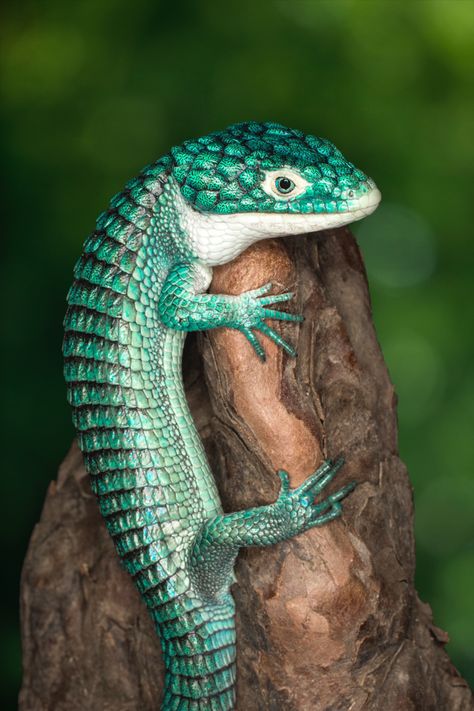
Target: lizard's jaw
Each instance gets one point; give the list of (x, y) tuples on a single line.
[(217, 239), (364, 205)]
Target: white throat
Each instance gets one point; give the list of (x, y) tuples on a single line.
[(217, 239)]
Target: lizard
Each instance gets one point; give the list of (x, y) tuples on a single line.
[(139, 286)]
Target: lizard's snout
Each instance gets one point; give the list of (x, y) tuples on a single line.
[(366, 203)]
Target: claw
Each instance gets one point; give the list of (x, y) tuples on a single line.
[(321, 471), (334, 499), (276, 338), (342, 493), (324, 473), (335, 511), (324, 480)]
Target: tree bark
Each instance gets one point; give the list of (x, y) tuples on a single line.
[(328, 621)]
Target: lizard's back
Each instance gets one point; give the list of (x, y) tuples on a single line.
[(147, 464)]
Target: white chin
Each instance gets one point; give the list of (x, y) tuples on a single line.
[(217, 239)]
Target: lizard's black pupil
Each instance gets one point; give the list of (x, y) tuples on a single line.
[(284, 185)]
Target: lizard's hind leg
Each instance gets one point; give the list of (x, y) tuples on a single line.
[(294, 512)]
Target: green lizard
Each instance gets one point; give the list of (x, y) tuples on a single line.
[(139, 287)]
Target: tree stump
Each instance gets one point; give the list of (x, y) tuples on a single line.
[(328, 621)]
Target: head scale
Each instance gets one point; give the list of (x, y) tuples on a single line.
[(269, 180)]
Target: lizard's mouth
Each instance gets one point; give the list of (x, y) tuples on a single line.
[(358, 208), (217, 239), (365, 204)]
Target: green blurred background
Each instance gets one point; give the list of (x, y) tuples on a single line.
[(95, 89)]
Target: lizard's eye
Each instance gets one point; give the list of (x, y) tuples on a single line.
[(284, 185)]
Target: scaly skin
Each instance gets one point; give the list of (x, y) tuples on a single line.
[(139, 287)]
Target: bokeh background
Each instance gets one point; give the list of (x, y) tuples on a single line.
[(94, 89)]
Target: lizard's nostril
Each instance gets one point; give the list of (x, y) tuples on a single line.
[(351, 194)]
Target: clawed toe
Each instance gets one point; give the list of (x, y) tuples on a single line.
[(330, 507), (322, 476), (334, 512), (342, 493)]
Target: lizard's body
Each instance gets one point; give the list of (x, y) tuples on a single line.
[(139, 286)]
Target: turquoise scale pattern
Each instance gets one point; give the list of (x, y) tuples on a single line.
[(199, 646), (138, 288), (147, 465), (222, 172)]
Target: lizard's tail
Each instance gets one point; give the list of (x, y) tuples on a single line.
[(199, 653)]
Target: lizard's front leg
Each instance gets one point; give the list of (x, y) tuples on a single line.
[(183, 306)]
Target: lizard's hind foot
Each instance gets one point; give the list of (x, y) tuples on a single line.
[(298, 508)]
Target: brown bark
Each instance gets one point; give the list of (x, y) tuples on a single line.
[(327, 621)]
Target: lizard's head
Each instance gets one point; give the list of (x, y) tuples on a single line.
[(257, 180)]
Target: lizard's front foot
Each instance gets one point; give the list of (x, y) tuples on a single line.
[(254, 313), (296, 509)]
